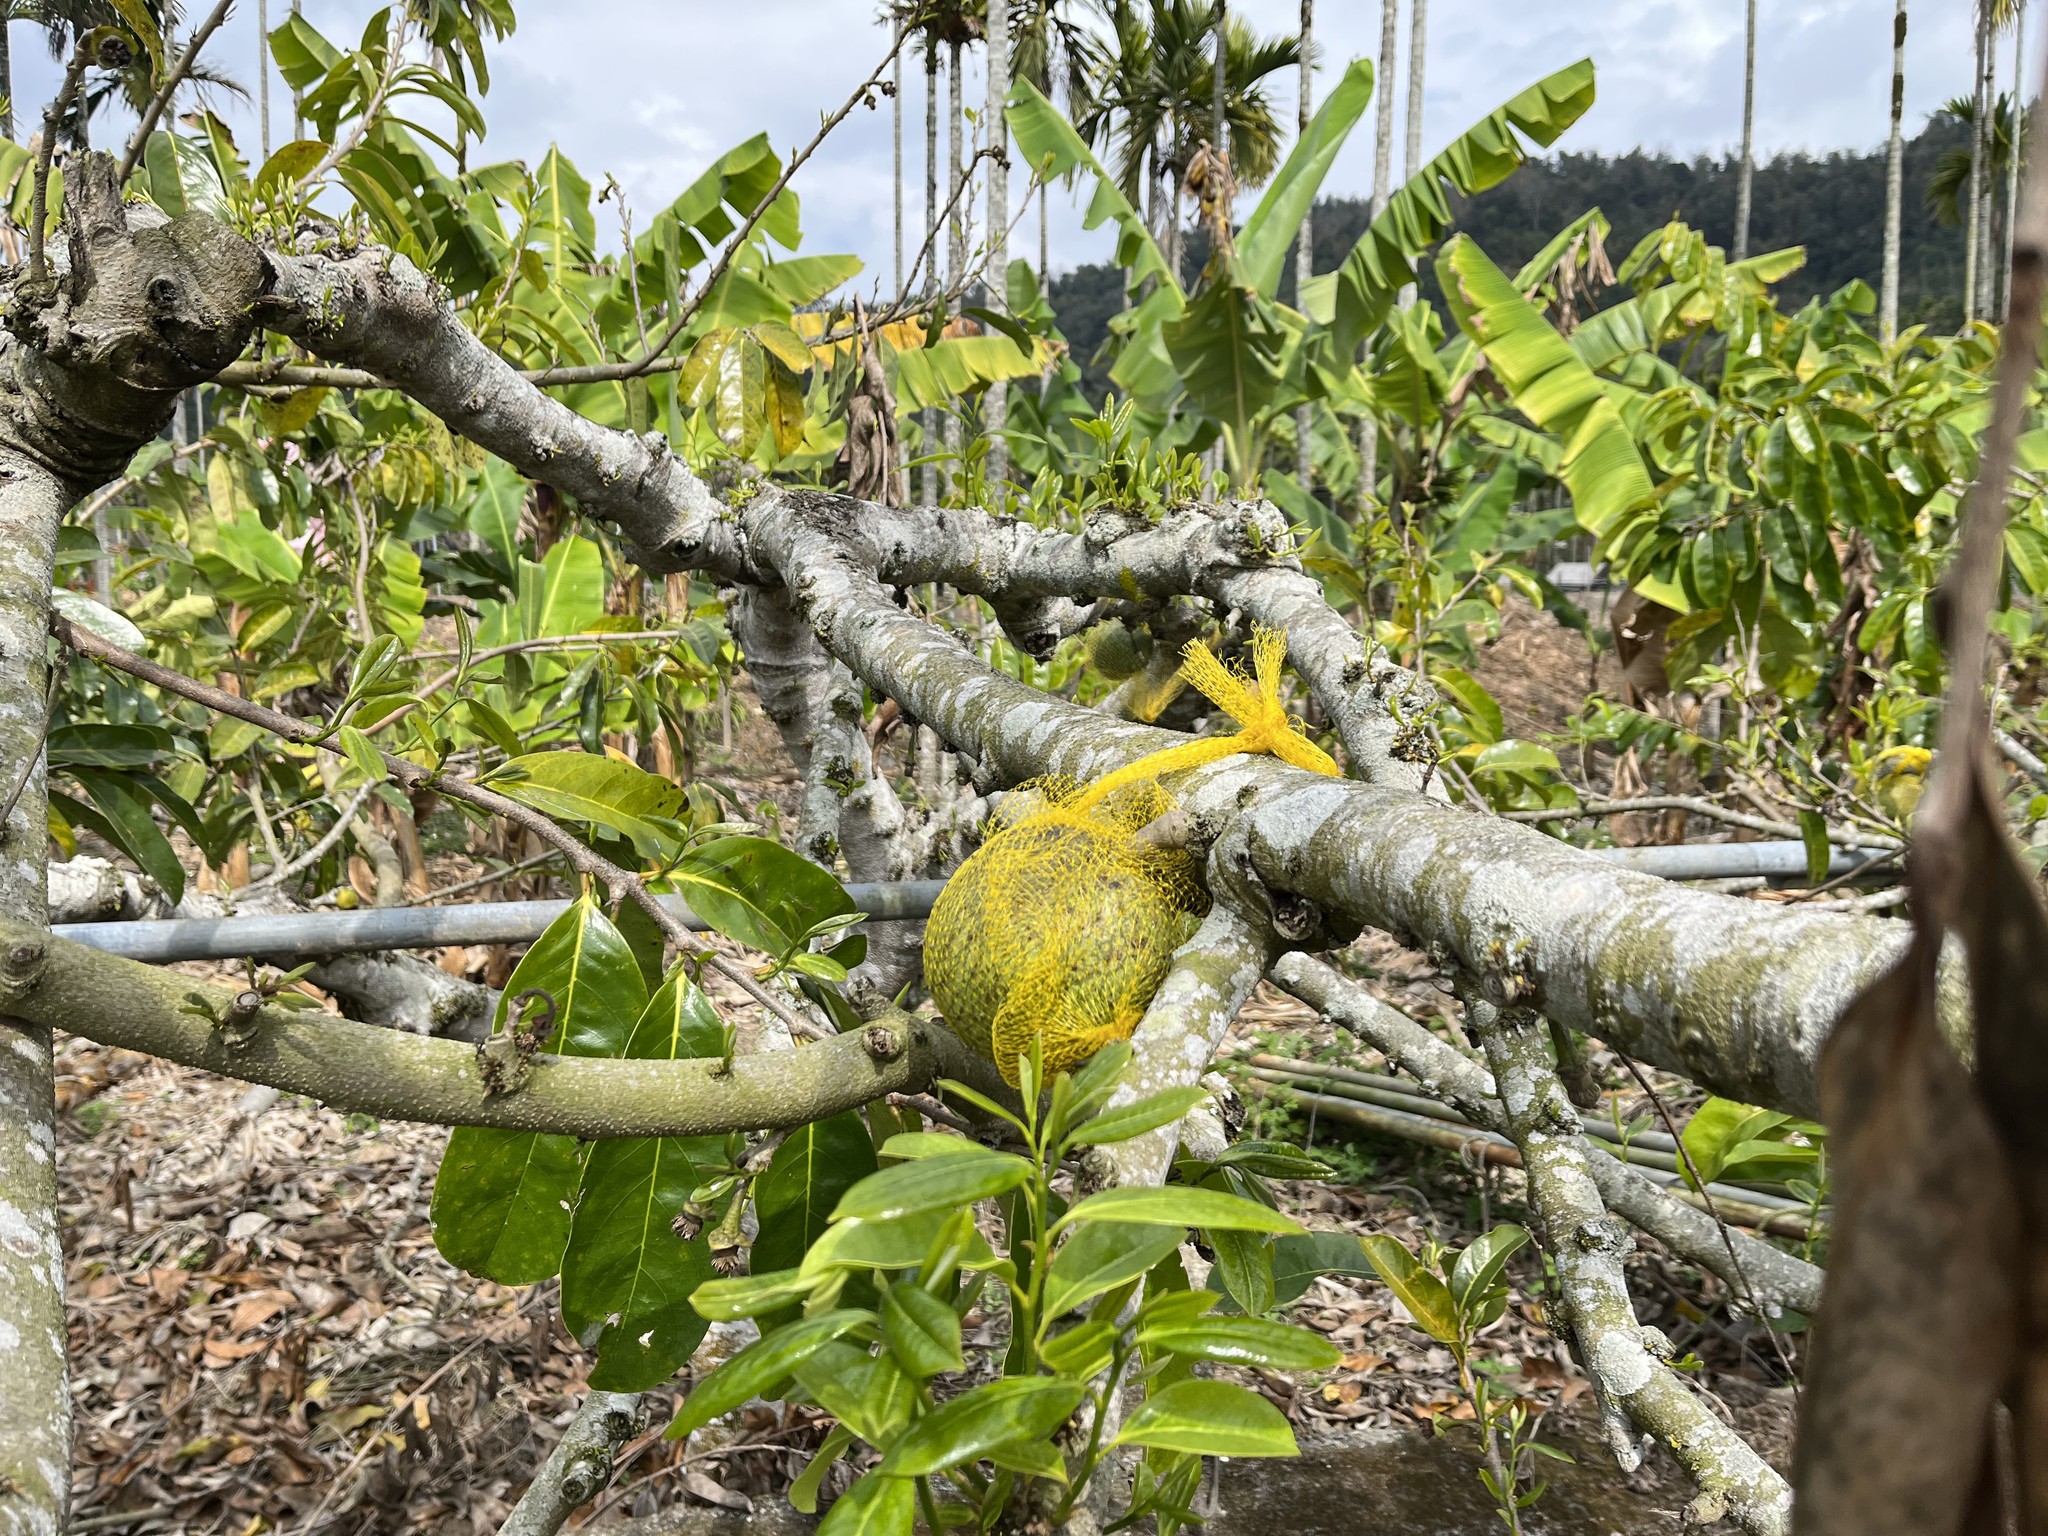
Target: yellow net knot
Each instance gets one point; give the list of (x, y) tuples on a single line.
[(1060, 927), (1253, 701)]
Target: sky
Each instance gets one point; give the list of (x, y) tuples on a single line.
[(652, 90)]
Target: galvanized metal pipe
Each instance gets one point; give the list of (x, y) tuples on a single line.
[(293, 935)]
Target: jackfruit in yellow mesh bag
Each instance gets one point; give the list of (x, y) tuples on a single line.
[(1061, 926)]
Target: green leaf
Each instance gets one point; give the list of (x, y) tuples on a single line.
[(1033, 1458), (803, 1493), (1133, 1120), (1513, 756), (1813, 832), (1550, 384), (1298, 1261), (1244, 1341), (1210, 1418), (1052, 147), (1229, 349), (931, 1184), (502, 1199), (921, 1331), (815, 1165), (1263, 243), (626, 1275), (968, 1426), (759, 1368), (627, 1278), (1482, 715), (1244, 1262), (1101, 1256), (362, 753), (130, 826), (758, 892), (1082, 1351), (1424, 1295), (288, 166), (874, 1506), (910, 1145), (1212, 1209), (900, 1244), (598, 791), (1482, 1262), (1416, 216), (723, 1301), (495, 504), (867, 1392)]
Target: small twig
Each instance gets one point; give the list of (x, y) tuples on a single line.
[(39, 194), (932, 1109), (1699, 1186), (487, 878), (688, 311), (144, 127), (621, 882), (313, 855), (394, 53), (253, 794)]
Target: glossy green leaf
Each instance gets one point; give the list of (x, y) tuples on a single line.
[(803, 1493), (1244, 1341), (1083, 1350), (1267, 236), (1099, 1257), (899, 1244), (759, 1368), (868, 1392), (758, 892), (1244, 1263), (598, 791), (723, 1301), (1133, 1120), (931, 1184), (496, 501), (502, 1199), (1179, 1206), (626, 1275), (966, 1427), (1299, 1260), (874, 1506), (1210, 1418), (1424, 1295), (815, 1165), (1479, 1267), (921, 1331)]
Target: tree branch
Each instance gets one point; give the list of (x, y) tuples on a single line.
[(1778, 1279), (363, 1069), (1626, 1361), (579, 1466), (622, 883), (146, 125)]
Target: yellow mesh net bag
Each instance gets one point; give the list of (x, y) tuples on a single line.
[(1061, 926)]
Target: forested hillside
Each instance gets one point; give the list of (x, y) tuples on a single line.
[(1832, 204)]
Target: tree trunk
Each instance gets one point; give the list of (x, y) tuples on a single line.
[(1219, 96), (1382, 190), (2013, 155), (1304, 257), (1745, 173), (956, 227), (1973, 234), (1988, 192), (931, 234), (896, 186), (35, 1400), (996, 401), (6, 82), (1894, 180), (263, 72), (1418, 48)]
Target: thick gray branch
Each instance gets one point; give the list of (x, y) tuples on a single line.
[(1735, 995), (400, 991), (396, 1076), (1627, 1362), (1777, 1279)]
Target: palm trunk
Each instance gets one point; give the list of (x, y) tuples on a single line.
[(995, 404), (1973, 234), (931, 234), (1382, 190), (1304, 259), (263, 71), (896, 147), (1894, 180), (6, 84), (1745, 173), (298, 98), (1219, 98), (1418, 47), (2018, 144), (1987, 222), (956, 228)]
